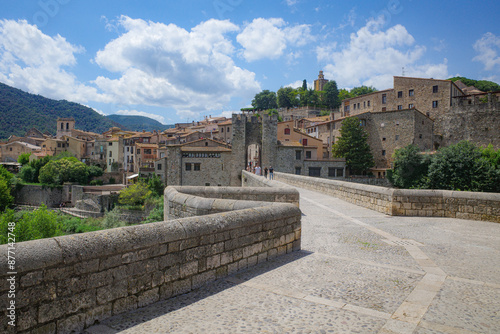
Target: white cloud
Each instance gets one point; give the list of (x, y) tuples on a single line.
[(373, 56), (291, 2), (487, 48), (165, 65), (35, 62), (159, 118), (298, 83), (268, 38)]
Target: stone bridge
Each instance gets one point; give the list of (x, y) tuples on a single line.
[(359, 271), (361, 264)]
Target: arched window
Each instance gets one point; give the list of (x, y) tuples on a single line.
[(67, 126), (287, 131), (62, 126)]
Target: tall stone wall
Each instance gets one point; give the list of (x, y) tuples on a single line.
[(479, 123), (68, 283), (38, 195), (269, 140)]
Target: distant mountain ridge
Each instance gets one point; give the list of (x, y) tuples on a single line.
[(21, 111), (138, 123)]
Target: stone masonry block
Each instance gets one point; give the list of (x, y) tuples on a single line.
[(110, 262), (46, 329), (166, 290), (112, 292), (31, 278), (203, 278), (148, 297), (72, 324), (213, 261), (188, 269), (139, 283), (96, 314), (232, 268), (124, 305), (180, 287), (87, 266), (252, 260)]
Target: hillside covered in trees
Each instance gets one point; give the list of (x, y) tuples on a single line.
[(138, 123), (21, 111), (483, 85)]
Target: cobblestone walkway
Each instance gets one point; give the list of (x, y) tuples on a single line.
[(359, 271)]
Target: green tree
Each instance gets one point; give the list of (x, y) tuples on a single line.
[(42, 223), (410, 168), (28, 174), (24, 158), (462, 167), (304, 84), (362, 90), (94, 171), (6, 198), (353, 146), (57, 172), (135, 194), (156, 185), (492, 155), (5, 174), (265, 100), (344, 94), (287, 97), (272, 112), (331, 95)]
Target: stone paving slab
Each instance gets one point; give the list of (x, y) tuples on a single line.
[(216, 310), (359, 271)]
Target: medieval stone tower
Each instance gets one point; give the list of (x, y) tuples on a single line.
[(247, 132), (64, 126)]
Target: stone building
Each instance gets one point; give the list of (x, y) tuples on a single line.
[(225, 132), (11, 151), (299, 113), (473, 117), (211, 162), (64, 126), (431, 96), (314, 147), (204, 162), (391, 130), (320, 83)]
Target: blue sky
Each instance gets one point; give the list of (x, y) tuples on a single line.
[(178, 61)]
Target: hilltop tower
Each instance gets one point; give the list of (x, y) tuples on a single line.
[(64, 126), (320, 82)]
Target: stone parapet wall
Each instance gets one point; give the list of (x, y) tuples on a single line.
[(68, 283), (181, 202), (405, 202)]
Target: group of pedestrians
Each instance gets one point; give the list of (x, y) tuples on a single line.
[(258, 171)]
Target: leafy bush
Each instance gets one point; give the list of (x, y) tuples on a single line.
[(6, 198), (135, 194), (28, 174), (112, 219), (5, 174), (410, 168), (457, 167), (57, 172), (24, 158), (462, 167), (96, 183), (156, 213), (156, 185), (112, 180)]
